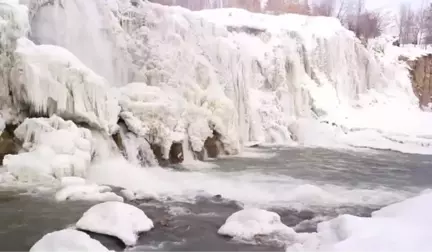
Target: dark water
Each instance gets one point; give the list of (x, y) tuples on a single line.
[(25, 219), (348, 168)]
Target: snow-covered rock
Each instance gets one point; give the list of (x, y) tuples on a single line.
[(117, 219), (402, 226), (53, 148), (68, 240), (249, 225)]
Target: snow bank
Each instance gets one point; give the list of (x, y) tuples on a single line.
[(68, 240), (116, 219), (51, 80), (251, 224), (52, 147), (402, 226)]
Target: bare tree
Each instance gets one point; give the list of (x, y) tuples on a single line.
[(409, 25), (250, 5), (288, 6), (325, 8), (427, 29)]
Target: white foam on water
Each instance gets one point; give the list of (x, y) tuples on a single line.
[(254, 153), (249, 188)]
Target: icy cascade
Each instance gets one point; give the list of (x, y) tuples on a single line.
[(50, 80), (86, 29), (45, 80), (136, 149)]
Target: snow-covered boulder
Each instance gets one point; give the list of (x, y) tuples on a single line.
[(117, 219), (68, 240), (257, 225), (53, 148)]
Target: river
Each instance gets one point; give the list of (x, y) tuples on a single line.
[(304, 185)]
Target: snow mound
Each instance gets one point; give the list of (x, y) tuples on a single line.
[(68, 240), (403, 226), (90, 192), (53, 148), (249, 225), (50, 80), (116, 219)]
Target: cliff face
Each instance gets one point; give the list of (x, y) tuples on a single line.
[(421, 76)]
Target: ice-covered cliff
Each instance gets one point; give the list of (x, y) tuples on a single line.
[(176, 76)]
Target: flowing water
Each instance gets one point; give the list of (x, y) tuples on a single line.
[(304, 185)]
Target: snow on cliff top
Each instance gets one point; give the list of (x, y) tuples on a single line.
[(321, 26)]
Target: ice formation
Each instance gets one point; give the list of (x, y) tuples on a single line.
[(250, 224), (52, 147), (399, 227), (116, 219), (184, 75), (86, 29), (50, 80), (254, 78), (68, 240)]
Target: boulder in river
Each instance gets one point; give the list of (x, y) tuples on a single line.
[(9, 144)]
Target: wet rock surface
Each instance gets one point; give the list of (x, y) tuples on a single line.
[(214, 146), (421, 77), (9, 144)]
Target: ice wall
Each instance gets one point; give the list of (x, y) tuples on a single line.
[(277, 71), (249, 77), (49, 80)]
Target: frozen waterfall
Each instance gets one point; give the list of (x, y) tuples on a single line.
[(172, 76)]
